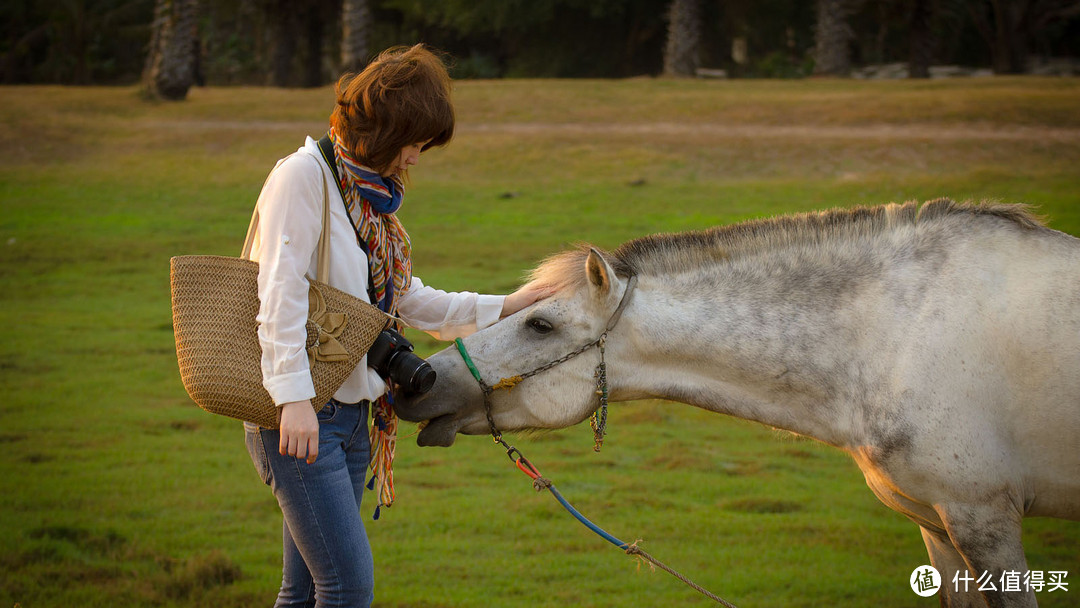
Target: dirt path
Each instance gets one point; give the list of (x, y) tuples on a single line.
[(753, 131), (918, 131)]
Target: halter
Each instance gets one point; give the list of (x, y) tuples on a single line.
[(598, 421)]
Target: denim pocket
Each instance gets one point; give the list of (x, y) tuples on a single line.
[(328, 412), (257, 450)]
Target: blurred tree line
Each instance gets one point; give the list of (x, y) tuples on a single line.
[(309, 42)]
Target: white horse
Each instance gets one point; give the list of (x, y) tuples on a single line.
[(939, 346)]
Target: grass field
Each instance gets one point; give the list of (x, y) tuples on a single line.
[(116, 491)]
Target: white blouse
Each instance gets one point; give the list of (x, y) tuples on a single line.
[(290, 221)]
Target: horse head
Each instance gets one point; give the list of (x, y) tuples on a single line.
[(588, 293)]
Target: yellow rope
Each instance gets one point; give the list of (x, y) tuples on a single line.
[(507, 383)]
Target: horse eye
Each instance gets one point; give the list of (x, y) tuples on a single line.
[(539, 325)]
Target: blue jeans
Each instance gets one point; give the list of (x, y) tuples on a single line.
[(326, 556)]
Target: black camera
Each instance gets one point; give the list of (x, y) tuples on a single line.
[(392, 356)]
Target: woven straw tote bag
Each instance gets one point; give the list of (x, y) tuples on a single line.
[(214, 304)]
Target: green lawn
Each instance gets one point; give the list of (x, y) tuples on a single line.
[(116, 491)]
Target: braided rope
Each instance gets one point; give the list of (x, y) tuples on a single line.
[(633, 549), (541, 483)]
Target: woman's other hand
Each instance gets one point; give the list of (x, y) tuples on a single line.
[(523, 298), (299, 431)]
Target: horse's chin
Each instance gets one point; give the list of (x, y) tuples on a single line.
[(439, 432)]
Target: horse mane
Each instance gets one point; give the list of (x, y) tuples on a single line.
[(668, 253)]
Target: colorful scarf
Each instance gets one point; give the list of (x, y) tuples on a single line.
[(372, 201)]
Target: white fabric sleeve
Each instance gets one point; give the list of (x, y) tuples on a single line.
[(447, 315), (290, 221)]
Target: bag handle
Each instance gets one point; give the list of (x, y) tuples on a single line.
[(322, 265)]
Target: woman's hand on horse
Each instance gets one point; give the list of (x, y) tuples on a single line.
[(523, 298), (299, 431)]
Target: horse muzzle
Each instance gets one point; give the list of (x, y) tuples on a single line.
[(444, 408), (439, 432)]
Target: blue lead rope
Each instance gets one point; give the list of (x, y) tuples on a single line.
[(541, 483), (585, 520)]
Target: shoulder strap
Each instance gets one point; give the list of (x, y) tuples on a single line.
[(323, 262), (326, 147)]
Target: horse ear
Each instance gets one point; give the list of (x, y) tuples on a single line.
[(599, 272)]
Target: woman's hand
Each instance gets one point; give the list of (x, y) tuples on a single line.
[(299, 430), (523, 298)]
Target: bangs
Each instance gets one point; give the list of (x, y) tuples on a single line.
[(431, 122)]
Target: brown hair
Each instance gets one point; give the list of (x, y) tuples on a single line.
[(401, 98)]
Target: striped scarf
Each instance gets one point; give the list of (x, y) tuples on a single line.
[(372, 201)]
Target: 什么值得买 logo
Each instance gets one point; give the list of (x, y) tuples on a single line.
[(925, 581)]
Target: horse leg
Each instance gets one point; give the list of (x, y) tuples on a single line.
[(948, 562), (988, 537)]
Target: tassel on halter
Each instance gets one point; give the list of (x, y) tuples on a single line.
[(598, 420)]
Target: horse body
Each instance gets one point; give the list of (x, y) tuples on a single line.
[(939, 347)]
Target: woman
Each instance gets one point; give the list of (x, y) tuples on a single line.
[(385, 117)]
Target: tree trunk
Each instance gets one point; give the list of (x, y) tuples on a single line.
[(284, 32), (313, 55), (1007, 25), (921, 38), (684, 38), (1010, 47), (355, 24), (172, 61), (833, 35)]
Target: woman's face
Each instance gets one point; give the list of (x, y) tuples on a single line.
[(408, 156)]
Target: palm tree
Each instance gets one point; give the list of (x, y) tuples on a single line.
[(355, 24), (172, 61), (922, 36), (832, 37), (1010, 26), (684, 38)]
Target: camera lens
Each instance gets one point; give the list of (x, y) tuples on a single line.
[(423, 377), (392, 357)]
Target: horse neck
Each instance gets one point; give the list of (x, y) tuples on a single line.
[(791, 346)]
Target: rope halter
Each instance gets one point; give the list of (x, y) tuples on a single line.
[(598, 421)]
